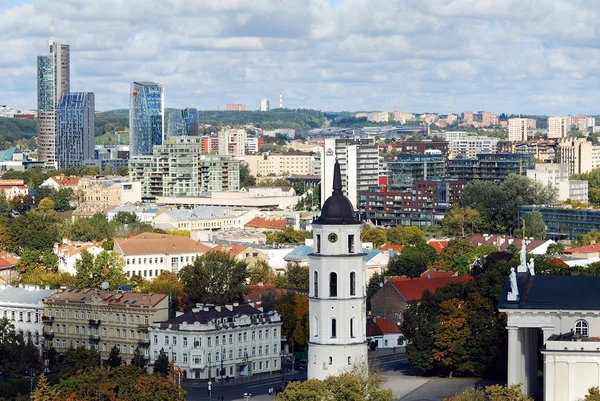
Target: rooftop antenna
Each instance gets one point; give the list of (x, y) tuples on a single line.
[(51, 40)]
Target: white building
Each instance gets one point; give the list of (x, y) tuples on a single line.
[(144, 212), (566, 310), (517, 129), (24, 308), (148, 254), (337, 294), (263, 198), (232, 142), (556, 175), (558, 126), (470, 146), (220, 341), (62, 181), (211, 218), (252, 145), (264, 104), (359, 162), (69, 252), (579, 154)]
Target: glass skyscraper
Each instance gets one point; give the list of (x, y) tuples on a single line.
[(183, 122), (146, 111), (74, 129), (53, 79)]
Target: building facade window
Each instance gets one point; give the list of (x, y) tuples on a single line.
[(351, 243), (334, 328), (333, 284), (581, 327), (352, 284), (316, 283)]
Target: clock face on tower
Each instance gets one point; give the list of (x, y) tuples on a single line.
[(332, 237)]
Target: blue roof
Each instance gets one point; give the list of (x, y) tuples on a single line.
[(372, 253), (299, 254), (7, 154)]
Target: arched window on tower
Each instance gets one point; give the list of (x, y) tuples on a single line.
[(333, 284), (334, 328), (581, 327), (352, 333), (352, 283), (316, 326), (316, 284)]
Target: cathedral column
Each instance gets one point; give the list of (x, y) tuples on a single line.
[(514, 355)]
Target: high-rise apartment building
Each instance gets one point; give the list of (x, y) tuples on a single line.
[(53, 79), (146, 111), (210, 144), (75, 116), (359, 163), (467, 116), (558, 127), (579, 154), (517, 129), (264, 104), (183, 122), (488, 119), (556, 175), (232, 142), (408, 168), (235, 107)]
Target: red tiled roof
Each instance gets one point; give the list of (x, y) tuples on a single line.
[(268, 223), (66, 180), (583, 249), (5, 263), (412, 290), (232, 250), (427, 273), (379, 326), (438, 244), (391, 247)]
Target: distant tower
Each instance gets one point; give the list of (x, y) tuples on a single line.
[(281, 100), (337, 295)]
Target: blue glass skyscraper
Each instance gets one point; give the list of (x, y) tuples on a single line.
[(146, 111), (183, 122), (74, 129)]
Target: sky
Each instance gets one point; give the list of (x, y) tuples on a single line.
[(445, 56)]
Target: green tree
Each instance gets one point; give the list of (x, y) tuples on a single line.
[(246, 179), (293, 310), (261, 272), (138, 359), (534, 226), (36, 229), (62, 199), (405, 235), (214, 277), (592, 395), (287, 236), (16, 351), (376, 235), (555, 249), (268, 301), (492, 393), (412, 261), (114, 358), (46, 204), (161, 365), (450, 339), (126, 218), (79, 360), (459, 219), (374, 285), (86, 275), (122, 171), (296, 276)]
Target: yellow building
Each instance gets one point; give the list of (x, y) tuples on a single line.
[(278, 164)]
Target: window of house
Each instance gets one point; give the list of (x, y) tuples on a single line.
[(581, 327), (351, 243), (352, 283), (333, 284), (318, 243), (185, 341), (331, 360), (316, 283), (333, 328)]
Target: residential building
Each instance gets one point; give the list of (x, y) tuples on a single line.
[(471, 146), (337, 288), (490, 167), (545, 151), (359, 163), (178, 168), (262, 198), (421, 147), (221, 342), (411, 167), (8, 269), (467, 116), (238, 237), (392, 300), (69, 252), (488, 119), (402, 117), (75, 116), (24, 308), (7, 112), (383, 334), (108, 191), (16, 160), (210, 218), (99, 319), (503, 242), (13, 188), (53, 79), (253, 144), (378, 116), (558, 126), (146, 113), (264, 104), (591, 251), (279, 164), (144, 212), (564, 222), (209, 144), (183, 122), (235, 107), (242, 253), (232, 142), (451, 119), (148, 254), (517, 129), (426, 202), (58, 182), (267, 223), (556, 176), (579, 154)]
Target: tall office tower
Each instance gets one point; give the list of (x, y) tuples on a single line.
[(74, 129), (52, 81), (558, 127), (264, 104), (359, 161), (183, 122), (146, 111), (517, 129)]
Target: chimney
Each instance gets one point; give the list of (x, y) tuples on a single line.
[(236, 304)]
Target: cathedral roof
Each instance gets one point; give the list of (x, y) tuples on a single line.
[(337, 209)]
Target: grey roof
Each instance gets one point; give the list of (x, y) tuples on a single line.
[(203, 316), (554, 292), (14, 295), (299, 254)]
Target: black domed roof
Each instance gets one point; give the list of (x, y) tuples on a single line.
[(337, 209)]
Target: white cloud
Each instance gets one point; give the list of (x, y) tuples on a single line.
[(529, 56)]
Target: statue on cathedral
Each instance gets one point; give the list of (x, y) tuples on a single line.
[(531, 266), (523, 264), (514, 289)]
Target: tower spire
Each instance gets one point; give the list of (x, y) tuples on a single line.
[(337, 179), (51, 39)]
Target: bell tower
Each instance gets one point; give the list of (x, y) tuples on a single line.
[(337, 295)]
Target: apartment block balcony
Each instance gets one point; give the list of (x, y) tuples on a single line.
[(143, 342), (48, 319), (94, 338), (94, 322), (48, 334)]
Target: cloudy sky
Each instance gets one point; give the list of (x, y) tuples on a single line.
[(513, 56)]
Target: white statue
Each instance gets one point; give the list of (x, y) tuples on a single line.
[(514, 289), (523, 254), (531, 267)]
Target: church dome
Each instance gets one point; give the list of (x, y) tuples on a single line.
[(337, 209)]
